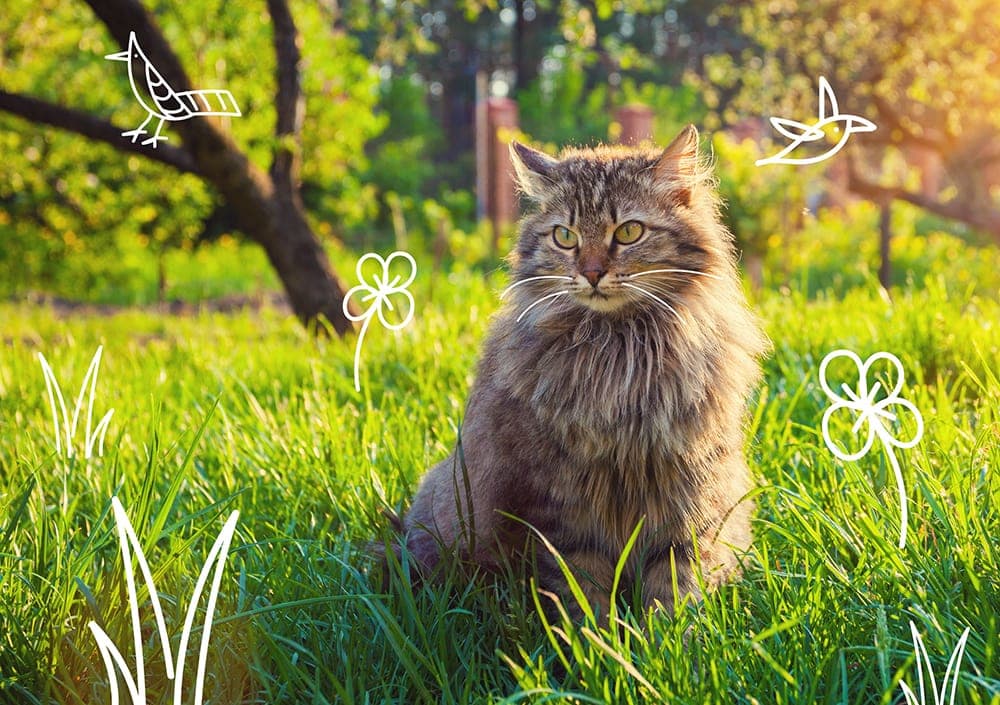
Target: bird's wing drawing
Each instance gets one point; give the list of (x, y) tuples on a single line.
[(210, 102), (828, 107), (795, 130), (167, 100)]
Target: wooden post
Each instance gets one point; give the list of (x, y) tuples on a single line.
[(637, 123), (501, 198), (482, 145)]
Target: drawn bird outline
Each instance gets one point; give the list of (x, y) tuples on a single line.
[(799, 132), (167, 103)]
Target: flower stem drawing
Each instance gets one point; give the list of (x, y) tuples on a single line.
[(113, 659), (924, 661), (381, 291), (64, 428), (862, 402)]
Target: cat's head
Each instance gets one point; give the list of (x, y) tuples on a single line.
[(608, 219)]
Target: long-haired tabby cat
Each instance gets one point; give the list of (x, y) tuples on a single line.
[(612, 386)]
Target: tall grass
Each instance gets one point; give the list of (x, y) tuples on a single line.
[(215, 413)]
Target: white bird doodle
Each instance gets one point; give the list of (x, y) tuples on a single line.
[(799, 132), (168, 104)]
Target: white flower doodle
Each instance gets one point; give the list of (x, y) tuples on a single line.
[(382, 289), (862, 402)]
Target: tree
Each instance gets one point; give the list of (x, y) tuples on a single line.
[(926, 73), (266, 202)]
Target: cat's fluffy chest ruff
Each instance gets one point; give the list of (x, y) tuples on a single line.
[(625, 428), (623, 391)]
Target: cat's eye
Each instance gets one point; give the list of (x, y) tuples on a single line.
[(629, 232), (564, 237)]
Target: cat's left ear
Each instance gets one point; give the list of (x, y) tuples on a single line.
[(535, 170), (677, 168)]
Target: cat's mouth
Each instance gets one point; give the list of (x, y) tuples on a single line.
[(598, 300)]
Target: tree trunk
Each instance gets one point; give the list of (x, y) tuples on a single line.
[(267, 205), (314, 291), (755, 269), (884, 246)]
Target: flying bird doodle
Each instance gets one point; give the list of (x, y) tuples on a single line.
[(168, 104), (799, 132)]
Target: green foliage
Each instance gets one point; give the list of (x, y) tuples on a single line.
[(67, 203), (763, 205), (560, 107), (673, 107), (930, 62), (837, 251), (820, 614)]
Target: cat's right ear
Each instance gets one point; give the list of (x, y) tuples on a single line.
[(535, 170)]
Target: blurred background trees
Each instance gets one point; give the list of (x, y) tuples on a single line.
[(387, 143)]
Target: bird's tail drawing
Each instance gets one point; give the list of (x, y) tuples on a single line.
[(210, 102)]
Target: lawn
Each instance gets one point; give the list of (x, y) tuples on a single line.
[(216, 412)]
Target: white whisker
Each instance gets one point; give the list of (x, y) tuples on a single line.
[(531, 279), (658, 300), (544, 298), (672, 271)]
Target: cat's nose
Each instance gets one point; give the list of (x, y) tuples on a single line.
[(593, 275)]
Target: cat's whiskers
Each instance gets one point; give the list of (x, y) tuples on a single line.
[(674, 271), (545, 298), (531, 279), (657, 299)]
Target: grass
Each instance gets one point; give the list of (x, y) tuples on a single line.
[(219, 412)]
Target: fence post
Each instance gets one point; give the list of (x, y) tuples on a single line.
[(501, 198), (637, 123)]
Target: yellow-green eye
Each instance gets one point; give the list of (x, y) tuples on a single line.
[(564, 237), (629, 232)]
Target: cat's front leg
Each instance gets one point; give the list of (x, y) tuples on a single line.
[(590, 569), (665, 566)]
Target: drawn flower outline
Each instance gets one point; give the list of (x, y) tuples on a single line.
[(860, 400), (380, 293)]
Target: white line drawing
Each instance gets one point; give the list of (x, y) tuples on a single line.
[(862, 403), (168, 104), (113, 658), (950, 674), (380, 291), (67, 428), (799, 132)]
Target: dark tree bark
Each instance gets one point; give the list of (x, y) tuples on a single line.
[(885, 245), (267, 205), (982, 216), (93, 127)]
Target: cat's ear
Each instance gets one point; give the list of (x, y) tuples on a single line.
[(535, 170), (677, 168)]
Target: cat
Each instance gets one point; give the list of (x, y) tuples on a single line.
[(612, 386)]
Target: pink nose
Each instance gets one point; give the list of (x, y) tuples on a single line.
[(594, 275)]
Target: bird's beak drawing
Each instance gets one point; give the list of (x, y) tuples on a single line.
[(860, 124), (123, 55)]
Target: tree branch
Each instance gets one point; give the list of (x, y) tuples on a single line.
[(891, 118), (289, 103), (42, 111), (124, 16), (218, 159), (978, 215)]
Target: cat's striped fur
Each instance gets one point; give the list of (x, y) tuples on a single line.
[(604, 406)]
